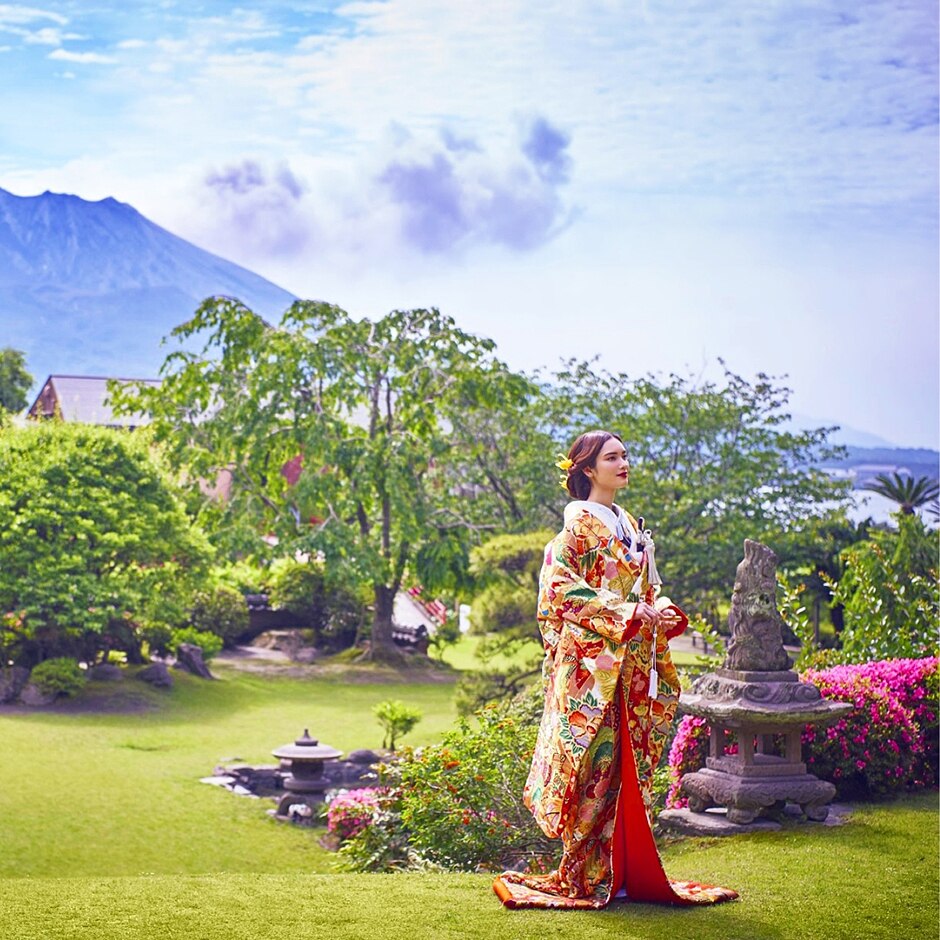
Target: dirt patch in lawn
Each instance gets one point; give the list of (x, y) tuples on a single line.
[(273, 663)]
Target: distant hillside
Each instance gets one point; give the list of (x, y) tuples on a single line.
[(863, 464), (92, 287)]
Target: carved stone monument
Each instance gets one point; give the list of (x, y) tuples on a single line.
[(757, 697)]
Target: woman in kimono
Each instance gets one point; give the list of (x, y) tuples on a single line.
[(611, 693)]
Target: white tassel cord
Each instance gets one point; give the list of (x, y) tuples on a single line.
[(654, 675)]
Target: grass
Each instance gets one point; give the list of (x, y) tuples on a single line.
[(462, 655), (106, 834), (91, 794), (875, 877)]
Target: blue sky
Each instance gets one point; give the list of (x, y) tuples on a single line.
[(659, 184)]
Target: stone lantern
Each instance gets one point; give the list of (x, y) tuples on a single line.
[(757, 697), (306, 783)]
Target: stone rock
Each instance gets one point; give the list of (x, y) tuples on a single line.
[(363, 756), (106, 672), (157, 675), (189, 658), (709, 824), (34, 697), (12, 681), (218, 780), (756, 625)]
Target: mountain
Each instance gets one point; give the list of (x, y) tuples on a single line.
[(846, 435), (92, 287)]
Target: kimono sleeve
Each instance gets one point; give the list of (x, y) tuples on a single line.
[(564, 594)]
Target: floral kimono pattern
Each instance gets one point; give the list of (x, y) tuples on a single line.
[(601, 734)]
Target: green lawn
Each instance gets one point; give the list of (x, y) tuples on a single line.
[(462, 655), (875, 877), (119, 794), (106, 834)]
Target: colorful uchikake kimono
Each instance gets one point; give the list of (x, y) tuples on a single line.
[(609, 680)]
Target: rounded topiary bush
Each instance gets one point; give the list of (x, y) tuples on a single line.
[(879, 746), (300, 588), (60, 676), (221, 610), (329, 606), (500, 607)]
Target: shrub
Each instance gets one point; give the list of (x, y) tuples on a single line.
[(686, 755), (333, 610), (221, 610), (158, 636), (458, 805), (350, 812), (209, 643), (891, 593), (300, 588), (446, 634), (869, 752), (501, 607), (887, 743), (382, 845), (60, 676), (898, 716), (396, 718), (247, 577)]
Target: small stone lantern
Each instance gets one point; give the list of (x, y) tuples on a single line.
[(306, 782)]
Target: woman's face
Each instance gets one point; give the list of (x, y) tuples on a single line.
[(611, 470)]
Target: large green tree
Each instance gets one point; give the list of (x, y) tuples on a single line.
[(348, 438), (712, 464), (93, 542), (14, 380)]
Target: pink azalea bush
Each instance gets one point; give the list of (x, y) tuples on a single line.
[(350, 812), (886, 743)]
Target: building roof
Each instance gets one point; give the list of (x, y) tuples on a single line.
[(81, 398)]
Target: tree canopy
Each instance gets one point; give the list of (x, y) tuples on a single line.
[(14, 380), (93, 542), (908, 493), (711, 465), (342, 437)]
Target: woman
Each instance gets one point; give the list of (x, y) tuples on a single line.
[(611, 693)]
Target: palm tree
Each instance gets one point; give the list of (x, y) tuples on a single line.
[(908, 493)]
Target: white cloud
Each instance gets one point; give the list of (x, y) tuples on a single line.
[(698, 136), (20, 15), (49, 36), (83, 58)]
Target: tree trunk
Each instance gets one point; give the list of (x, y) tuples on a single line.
[(382, 648)]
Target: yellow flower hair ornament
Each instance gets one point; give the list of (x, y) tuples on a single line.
[(564, 463)]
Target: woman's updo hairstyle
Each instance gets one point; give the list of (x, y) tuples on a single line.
[(583, 454)]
